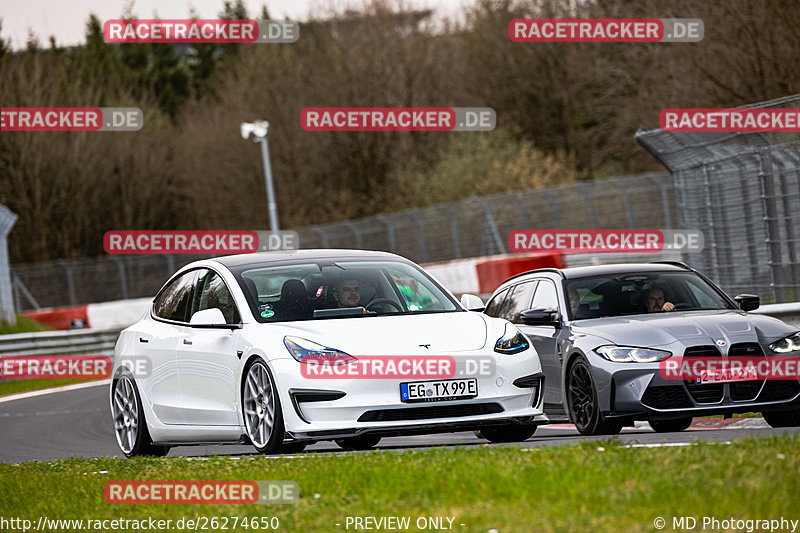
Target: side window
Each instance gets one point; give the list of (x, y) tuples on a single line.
[(212, 293), (546, 296), (495, 305), (703, 299), (518, 301), (175, 299)]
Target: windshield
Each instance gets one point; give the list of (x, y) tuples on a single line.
[(354, 289), (641, 293)]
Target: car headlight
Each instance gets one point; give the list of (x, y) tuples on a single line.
[(630, 354), (305, 350), (511, 342), (787, 345)]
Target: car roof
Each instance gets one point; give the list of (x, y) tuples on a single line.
[(260, 258), (604, 270)]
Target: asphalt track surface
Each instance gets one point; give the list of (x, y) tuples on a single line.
[(77, 423)]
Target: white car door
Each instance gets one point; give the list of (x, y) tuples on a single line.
[(158, 342), (207, 359)]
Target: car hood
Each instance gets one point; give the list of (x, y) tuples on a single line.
[(396, 335), (687, 327)]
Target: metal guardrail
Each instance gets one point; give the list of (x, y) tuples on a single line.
[(789, 313), (80, 342)]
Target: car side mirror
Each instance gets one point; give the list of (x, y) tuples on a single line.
[(541, 317), (472, 302), (748, 302), (211, 318)]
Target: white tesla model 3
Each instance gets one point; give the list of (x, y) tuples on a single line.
[(225, 355)]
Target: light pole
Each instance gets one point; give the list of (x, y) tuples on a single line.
[(259, 130)]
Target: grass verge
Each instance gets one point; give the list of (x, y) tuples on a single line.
[(24, 325), (15, 386), (590, 486)]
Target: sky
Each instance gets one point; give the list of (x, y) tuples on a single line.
[(66, 19)]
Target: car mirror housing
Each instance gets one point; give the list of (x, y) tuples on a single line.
[(211, 318), (472, 302), (541, 317), (748, 302)]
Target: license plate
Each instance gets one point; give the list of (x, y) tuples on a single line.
[(725, 376), (438, 391)]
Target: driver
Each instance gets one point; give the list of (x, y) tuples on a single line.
[(655, 301), (347, 292)]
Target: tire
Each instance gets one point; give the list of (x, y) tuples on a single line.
[(130, 424), (671, 426), (582, 403), (261, 408), (782, 419), (508, 433), (362, 442)]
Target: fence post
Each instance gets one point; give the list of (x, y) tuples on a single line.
[(522, 223), (73, 299), (664, 201), (628, 205), (422, 241), (590, 200), (123, 279), (748, 215), (357, 233), (556, 214), (454, 229), (766, 178), (389, 232), (319, 231), (490, 225)]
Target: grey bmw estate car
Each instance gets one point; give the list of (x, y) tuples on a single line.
[(602, 331)]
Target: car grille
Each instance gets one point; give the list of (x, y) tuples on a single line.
[(745, 390), (710, 393), (436, 411), (671, 397), (775, 391)]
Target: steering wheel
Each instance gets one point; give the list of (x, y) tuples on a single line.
[(682, 305), (379, 301)]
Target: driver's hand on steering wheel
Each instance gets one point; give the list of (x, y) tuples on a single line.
[(668, 306)]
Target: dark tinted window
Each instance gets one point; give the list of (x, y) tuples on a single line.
[(495, 305), (519, 300), (174, 300), (629, 293), (212, 293)]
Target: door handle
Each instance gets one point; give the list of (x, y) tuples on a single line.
[(187, 341), (142, 339)]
